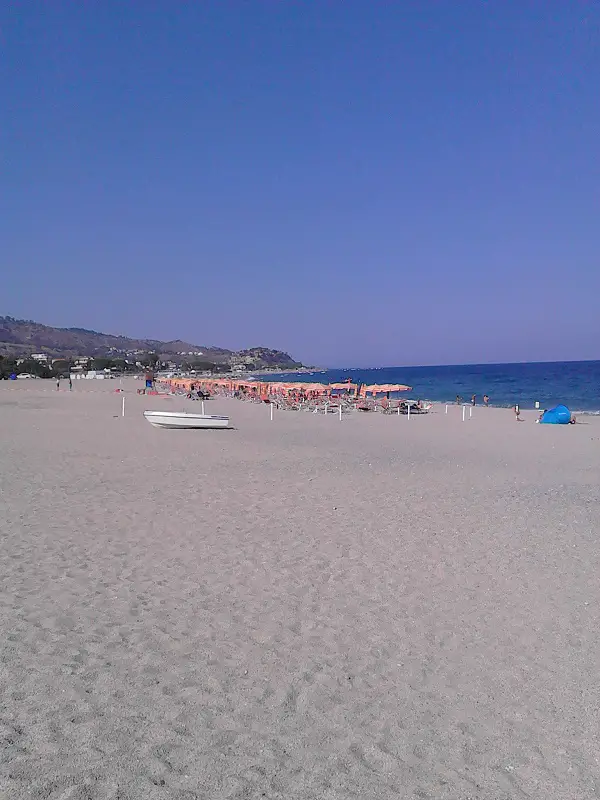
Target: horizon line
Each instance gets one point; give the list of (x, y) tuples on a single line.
[(468, 364)]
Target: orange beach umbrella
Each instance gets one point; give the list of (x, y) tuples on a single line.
[(346, 385), (384, 388)]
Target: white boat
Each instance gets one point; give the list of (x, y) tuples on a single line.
[(185, 419)]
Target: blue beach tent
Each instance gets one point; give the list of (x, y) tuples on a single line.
[(557, 416)]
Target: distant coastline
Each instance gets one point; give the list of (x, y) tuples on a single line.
[(26, 340)]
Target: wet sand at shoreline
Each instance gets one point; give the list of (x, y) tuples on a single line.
[(303, 608)]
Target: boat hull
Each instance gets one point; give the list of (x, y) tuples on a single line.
[(185, 420)]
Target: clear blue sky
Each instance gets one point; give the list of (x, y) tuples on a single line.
[(357, 182)]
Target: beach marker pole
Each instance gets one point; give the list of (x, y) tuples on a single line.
[(470, 411), (271, 412), (408, 411), (446, 409), (340, 413), (123, 407), (399, 404), (203, 408), (464, 409)]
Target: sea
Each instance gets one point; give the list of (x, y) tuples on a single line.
[(575, 384)]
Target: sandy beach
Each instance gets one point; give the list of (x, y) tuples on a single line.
[(304, 608)]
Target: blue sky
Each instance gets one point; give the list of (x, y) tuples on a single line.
[(360, 183)]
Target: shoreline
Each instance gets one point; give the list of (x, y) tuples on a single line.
[(588, 412)]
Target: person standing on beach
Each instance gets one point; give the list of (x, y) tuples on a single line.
[(458, 399), (474, 400), (70, 383), (486, 400), (58, 383), (518, 413)]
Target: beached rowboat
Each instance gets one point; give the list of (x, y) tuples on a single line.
[(185, 419)]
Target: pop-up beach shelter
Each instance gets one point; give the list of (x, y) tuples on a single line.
[(556, 416)]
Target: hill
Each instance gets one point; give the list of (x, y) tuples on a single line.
[(21, 338)]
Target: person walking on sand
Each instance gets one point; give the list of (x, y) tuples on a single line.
[(58, 383), (458, 399), (474, 400), (70, 383), (486, 400), (518, 413)]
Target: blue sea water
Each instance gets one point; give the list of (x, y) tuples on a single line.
[(574, 383)]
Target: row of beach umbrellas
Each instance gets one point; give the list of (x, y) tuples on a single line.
[(264, 389)]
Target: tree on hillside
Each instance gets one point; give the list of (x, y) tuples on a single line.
[(120, 365), (32, 367), (8, 366), (198, 364), (149, 360), (62, 366), (100, 363)]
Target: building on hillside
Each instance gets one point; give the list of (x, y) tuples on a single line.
[(242, 362), (42, 358)]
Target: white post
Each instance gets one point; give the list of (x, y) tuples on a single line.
[(326, 407), (408, 411), (446, 409), (203, 408), (470, 411), (399, 404), (271, 412), (123, 407), (464, 410), (340, 413)]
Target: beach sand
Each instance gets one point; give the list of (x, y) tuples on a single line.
[(303, 608)]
